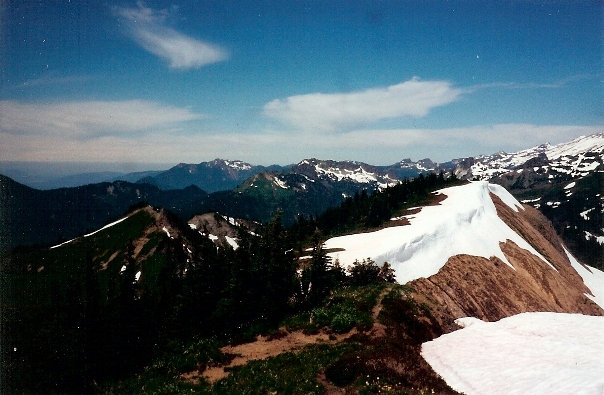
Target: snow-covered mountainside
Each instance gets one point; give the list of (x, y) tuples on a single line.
[(481, 229), (476, 244), (480, 255), (575, 158), (456, 226)]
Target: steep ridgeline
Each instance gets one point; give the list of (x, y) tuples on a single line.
[(565, 182), (480, 253), (217, 175), (85, 303), (31, 216)]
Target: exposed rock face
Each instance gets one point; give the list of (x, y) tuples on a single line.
[(490, 290), (221, 229)]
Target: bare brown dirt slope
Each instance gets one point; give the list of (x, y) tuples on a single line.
[(490, 290)]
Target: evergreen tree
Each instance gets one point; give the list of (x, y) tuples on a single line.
[(316, 278)]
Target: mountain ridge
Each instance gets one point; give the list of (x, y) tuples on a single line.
[(312, 185)]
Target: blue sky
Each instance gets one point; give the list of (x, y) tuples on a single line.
[(280, 81)]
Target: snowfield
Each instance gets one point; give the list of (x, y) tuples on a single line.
[(593, 279), (529, 353), (456, 226)]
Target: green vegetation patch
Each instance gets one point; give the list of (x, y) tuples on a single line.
[(345, 308), (288, 373), (162, 376)]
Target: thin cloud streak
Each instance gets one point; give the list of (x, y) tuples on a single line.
[(89, 119), (532, 85), (337, 111), (148, 28)]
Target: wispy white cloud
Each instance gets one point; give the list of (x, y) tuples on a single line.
[(88, 119), (149, 29), (533, 85), (413, 98)]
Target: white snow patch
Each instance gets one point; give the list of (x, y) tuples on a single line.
[(232, 242), (531, 200), (123, 269), (62, 244), (584, 214), (230, 220), (280, 183), (106, 226), (505, 196), (359, 175), (593, 279), (137, 276), (529, 353), (192, 226), (213, 237), (589, 236), (457, 226), (167, 232), (571, 185)]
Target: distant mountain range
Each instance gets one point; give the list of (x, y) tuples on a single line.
[(564, 181), (217, 175)]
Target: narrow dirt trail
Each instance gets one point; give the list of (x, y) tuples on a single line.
[(265, 347), (375, 312), (379, 329)]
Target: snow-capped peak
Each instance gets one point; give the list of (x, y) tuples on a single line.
[(232, 164), (567, 158), (339, 171), (583, 144)]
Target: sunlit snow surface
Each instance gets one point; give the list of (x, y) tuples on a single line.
[(593, 279), (529, 353), (232, 242), (466, 222)]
